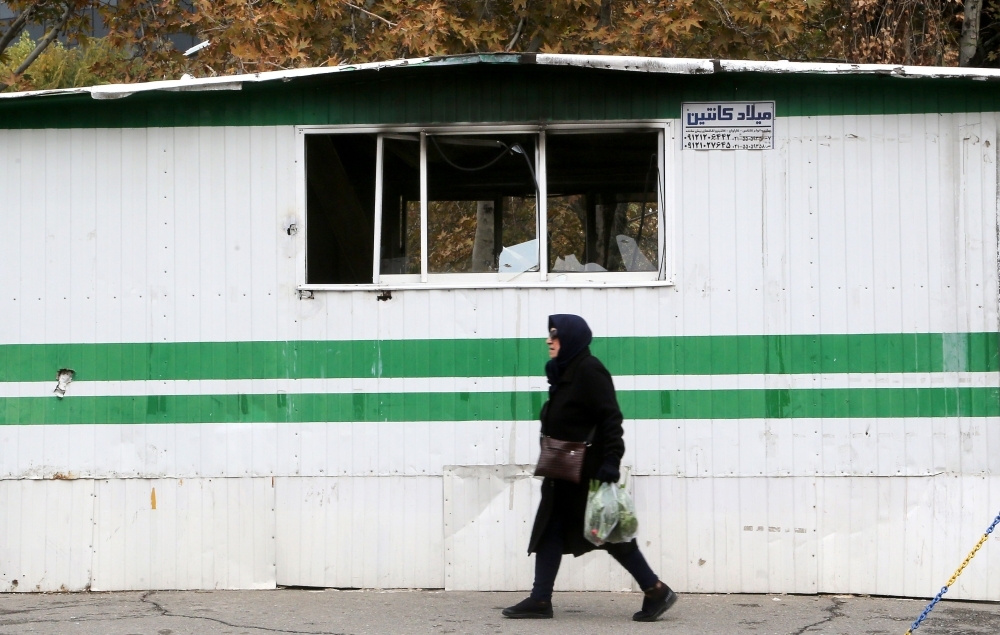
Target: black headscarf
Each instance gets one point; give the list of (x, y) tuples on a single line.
[(574, 337)]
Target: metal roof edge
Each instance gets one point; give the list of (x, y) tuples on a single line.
[(676, 65), (826, 68), (679, 65), (669, 65), (223, 82)]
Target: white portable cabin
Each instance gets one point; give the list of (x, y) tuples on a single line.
[(287, 328)]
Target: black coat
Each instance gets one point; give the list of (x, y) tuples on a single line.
[(584, 398)]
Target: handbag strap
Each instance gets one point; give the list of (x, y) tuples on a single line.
[(589, 440)]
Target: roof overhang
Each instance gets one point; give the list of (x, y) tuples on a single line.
[(679, 66)]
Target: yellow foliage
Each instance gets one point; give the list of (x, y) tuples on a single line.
[(247, 36), (92, 62)]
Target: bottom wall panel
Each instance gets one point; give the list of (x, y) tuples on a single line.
[(730, 535), (907, 536), (489, 512), (46, 535), (469, 529), (207, 533), (900, 536), (360, 532), (880, 535)]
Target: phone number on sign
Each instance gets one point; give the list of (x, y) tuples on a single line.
[(728, 140), (756, 135), (727, 145)]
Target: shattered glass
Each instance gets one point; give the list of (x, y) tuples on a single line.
[(517, 259)]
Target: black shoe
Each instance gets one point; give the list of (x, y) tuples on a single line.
[(657, 601), (529, 609)]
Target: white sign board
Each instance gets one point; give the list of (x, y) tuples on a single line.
[(728, 125)]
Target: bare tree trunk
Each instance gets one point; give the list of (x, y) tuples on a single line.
[(603, 21), (16, 27), (604, 17), (970, 32), (49, 37), (482, 246)]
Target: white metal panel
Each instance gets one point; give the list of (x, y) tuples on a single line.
[(32, 238), (372, 532), (11, 178), (837, 154), (867, 224), (414, 448), (184, 534), (109, 204), (905, 535), (46, 535), (800, 534), (755, 177), (730, 535), (700, 535), (488, 517), (375, 385), (701, 507)]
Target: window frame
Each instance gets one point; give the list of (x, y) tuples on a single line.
[(493, 280)]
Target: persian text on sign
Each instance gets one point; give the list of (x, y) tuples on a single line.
[(728, 126)]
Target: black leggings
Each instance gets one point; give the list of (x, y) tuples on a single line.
[(550, 552)]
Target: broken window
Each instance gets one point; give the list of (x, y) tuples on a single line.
[(603, 201), (439, 203), (481, 195), (400, 238), (340, 206)]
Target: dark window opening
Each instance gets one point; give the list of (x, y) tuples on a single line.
[(482, 206), (602, 201), (480, 211), (340, 204)]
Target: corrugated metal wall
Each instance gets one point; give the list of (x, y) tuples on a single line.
[(860, 455)]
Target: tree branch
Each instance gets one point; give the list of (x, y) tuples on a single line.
[(49, 37), (513, 40), (368, 13), (15, 27), (727, 19)]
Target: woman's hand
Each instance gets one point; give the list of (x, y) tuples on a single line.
[(608, 473)]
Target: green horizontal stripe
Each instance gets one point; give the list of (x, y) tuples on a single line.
[(521, 406), (498, 92), (699, 355)]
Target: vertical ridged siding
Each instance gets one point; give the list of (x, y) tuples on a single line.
[(170, 245)]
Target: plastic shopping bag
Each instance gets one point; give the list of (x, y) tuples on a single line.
[(610, 514), (601, 515), (628, 524)]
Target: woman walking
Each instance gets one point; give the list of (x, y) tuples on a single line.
[(581, 406)]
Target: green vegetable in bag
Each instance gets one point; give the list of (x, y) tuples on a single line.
[(628, 524), (601, 515), (610, 514)]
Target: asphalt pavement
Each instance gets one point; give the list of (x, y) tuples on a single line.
[(332, 612)]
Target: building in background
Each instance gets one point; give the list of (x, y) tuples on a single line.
[(287, 328), (182, 41)]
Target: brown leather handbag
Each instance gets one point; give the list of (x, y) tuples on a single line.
[(562, 459)]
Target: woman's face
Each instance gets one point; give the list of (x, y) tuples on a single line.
[(553, 341)]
